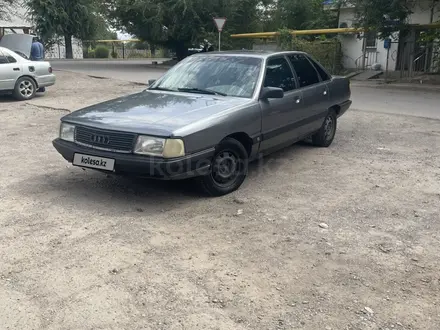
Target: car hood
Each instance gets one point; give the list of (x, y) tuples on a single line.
[(153, 112), (18, 43)]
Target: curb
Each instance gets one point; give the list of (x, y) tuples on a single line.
[(398, 86), (159, 66)]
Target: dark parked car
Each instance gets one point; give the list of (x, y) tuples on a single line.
[(208, 117)]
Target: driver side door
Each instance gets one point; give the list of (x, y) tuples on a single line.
[(280, 116)]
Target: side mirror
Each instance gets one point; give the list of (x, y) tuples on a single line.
[(151, 82), (271, 93)]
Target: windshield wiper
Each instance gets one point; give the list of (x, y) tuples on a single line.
[(201, 90), (163, 89)]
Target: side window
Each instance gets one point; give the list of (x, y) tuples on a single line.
[(324, 75), (279, 74), (11, 59), (305, 71), (3, 58)]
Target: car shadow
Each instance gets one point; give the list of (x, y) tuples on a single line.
[(74, 187), (7, 98), (276, 161)]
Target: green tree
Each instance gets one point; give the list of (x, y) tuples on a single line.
[(383, 16), (298, 15), (66, 18), (102, 30), (178, 24), (4, 5)]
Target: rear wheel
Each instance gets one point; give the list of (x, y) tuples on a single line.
[(25, 89), (326, 134), (229, 169)]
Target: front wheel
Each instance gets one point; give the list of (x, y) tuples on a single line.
[(326, 134), (229, 169)]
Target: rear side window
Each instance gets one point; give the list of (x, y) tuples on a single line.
[(11, 59), (305, 71), (324, 75), (3, 58), (279, 74)]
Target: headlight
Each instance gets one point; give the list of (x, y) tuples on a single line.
[(153, 146), (67, 132)]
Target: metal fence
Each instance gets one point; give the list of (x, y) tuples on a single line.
[(57, 50), (418, 58), (115, 49), (367, 60), (119, 49)]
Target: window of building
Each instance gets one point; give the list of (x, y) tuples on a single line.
[(279, 74), (371, 39), (305, 71)]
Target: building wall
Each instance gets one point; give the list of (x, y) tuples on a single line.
[(352, 46)]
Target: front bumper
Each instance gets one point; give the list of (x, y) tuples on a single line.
[(143, 166)]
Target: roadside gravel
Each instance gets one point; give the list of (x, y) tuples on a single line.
[(339, 238)]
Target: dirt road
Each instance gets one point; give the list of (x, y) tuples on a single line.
[(339, 238)]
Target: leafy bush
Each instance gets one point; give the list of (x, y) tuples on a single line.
[(326, 51), (102, 52), (89, 53), (114, 54)]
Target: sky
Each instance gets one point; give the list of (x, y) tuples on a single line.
[(124, 36)]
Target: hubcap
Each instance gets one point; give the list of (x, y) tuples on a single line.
[(26, 88), (225, 168), (329, 128)]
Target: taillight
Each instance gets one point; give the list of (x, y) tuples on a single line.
[(50, 69)]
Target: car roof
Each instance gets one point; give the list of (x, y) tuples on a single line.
[(5, 50), (248, 53)]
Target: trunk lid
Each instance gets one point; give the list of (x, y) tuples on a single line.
[(19, 43)]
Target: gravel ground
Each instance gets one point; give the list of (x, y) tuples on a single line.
[(339, 238)]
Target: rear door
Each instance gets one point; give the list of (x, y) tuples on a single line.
[(279, 116), (10, 70), (325, 78), (314, 92)]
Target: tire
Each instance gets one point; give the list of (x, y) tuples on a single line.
[(326, 134), (229, 169), (25, 89)]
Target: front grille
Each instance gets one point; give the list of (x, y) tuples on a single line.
[(104, 139)]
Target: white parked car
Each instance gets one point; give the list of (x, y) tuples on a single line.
[(20, 76)]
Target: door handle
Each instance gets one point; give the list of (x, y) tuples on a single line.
[(297, 99), (16, 69), (325, 93)]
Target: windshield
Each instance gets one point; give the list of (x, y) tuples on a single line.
[(213, 74)]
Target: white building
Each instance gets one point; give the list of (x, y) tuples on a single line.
[(16, 21), (405, 48)]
